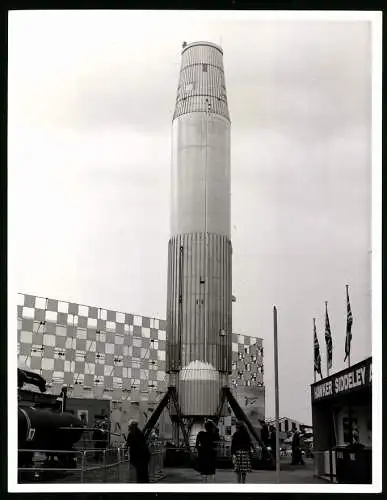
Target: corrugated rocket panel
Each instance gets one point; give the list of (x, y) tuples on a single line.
[(202, 84), (197, 370), (199, 389), (192, 300), (207, 52), (199, 397)]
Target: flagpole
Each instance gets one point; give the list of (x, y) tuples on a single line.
[(349, 362), (277, 450), (349, 350), (326, 345), (314, 366)]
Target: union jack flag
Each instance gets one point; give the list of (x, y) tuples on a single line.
[(317, 356), (348, 337), (328, 338)]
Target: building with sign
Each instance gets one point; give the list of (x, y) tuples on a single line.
[(342, 420), (287, 427)]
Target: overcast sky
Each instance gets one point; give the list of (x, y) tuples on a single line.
[(91, 99)]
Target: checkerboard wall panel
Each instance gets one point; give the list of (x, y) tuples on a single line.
[(109, 351)]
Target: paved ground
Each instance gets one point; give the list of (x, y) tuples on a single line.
[(289, 475)]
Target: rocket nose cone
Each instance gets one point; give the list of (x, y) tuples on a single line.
[(202, 85)]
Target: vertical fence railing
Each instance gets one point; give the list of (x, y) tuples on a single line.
[(39, 464), (104, 466), (119, 463), (156, 463), (95, 465), (83, 466)]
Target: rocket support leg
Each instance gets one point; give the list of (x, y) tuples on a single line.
[(156, 414), (179, 416), (241, 415), (220, 407), (175, 432), (178, 423)]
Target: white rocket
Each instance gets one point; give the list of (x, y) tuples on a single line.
[(199, 308)]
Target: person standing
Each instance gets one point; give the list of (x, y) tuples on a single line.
[(105, 434), (99, 441), (264, 433), (206, 442), (295, 446), (296, 450), (240, 452), (302, 448), (265, 439), (138, 452), (273, 442)]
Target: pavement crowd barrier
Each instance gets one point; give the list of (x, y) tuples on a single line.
[(157, 464), (94, 465), (49, 464)]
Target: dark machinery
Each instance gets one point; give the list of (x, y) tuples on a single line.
[(41, 429), (46, 427)]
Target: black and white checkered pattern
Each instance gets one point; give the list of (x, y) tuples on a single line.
[(241, 461), (104, 353)]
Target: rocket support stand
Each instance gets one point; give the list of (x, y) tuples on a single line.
[(226, 395), (169, 395)]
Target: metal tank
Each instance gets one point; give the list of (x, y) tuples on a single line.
[(47, 430), (40, 429), (199, 322)]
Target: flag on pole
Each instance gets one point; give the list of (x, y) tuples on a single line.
[(317, 356), (348, 337), (328, 338)]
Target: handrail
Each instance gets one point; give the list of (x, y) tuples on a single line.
[(49, 451), (61, 469), (79, 450), (118, 455)]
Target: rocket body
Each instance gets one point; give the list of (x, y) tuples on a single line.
[(199, 303)]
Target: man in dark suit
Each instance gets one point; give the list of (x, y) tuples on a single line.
[(138, 452)]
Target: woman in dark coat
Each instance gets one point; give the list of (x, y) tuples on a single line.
[(265, 439), (206, 442), (240, 452), (264, 433), (296, 450), (100, 438), (273, 442), (138, 452)]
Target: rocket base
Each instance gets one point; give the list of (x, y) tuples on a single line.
[(188, 426)]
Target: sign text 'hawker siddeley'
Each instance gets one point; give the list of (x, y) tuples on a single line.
[(358, 376)]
